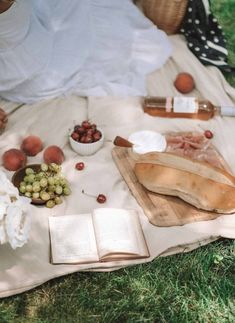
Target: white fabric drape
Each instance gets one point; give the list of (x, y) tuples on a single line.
[(89, 47)]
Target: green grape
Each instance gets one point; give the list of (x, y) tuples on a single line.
[(59, 190), (22, 189), (29, 188), (22, 183), (51, 180), (36, 188), (58, 169), (40, 175), (35, 195), (50, 166), (63, 182), (56, 179), (44, 167), (26, 179), (52, 195), (58, 200), (54, 167), (51, 188), (66, 190), (29, 171), (31, 178), (43, 182), (36, 183), (44, 196), (50, 204), (27, 194)]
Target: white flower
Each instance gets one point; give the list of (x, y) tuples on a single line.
[(3, 234), (14, 214), (17, 224), (3, 207)]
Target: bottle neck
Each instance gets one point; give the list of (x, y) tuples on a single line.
[(216, 110), (225, 110)]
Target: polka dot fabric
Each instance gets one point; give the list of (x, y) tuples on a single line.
[(204, 35)]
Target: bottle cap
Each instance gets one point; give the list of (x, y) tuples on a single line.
[(228, 111)]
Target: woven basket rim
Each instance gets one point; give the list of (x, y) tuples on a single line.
[(165, 14)]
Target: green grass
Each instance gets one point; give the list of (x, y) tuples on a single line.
[(224, 11), (194, 287)]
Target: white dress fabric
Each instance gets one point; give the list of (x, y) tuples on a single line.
[(88, 47)]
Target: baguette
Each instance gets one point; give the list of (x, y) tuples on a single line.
[(186, 164), (199, 191)]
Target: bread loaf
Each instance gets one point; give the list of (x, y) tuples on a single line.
[(202, 192), (186, 164)]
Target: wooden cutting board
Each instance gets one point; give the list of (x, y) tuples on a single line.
[(161, 210)]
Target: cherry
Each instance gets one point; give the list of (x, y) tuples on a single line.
[(75, 136), (97, 135), (76, 128), (81, 130), (80, 166), (208, 134), (88, 139), (101, 198), (86, 124), (90, 132), (83, 139)]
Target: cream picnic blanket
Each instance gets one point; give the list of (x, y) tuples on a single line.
[(29, 266)]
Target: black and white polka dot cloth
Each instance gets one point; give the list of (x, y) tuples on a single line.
[(204, 35)]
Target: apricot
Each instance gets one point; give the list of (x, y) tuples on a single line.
[(31, 145), (13, 159), (53, 154), (184, 83)]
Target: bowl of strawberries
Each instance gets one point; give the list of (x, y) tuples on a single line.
[(86, 138)]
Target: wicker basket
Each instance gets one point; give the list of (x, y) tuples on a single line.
[(165, 14)]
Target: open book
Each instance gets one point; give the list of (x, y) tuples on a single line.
[(107, 234)]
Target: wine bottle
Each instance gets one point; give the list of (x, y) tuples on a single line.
[(184, 107)]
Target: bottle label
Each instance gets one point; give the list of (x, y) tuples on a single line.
[(185, 105), (228, 111), (168, 104)]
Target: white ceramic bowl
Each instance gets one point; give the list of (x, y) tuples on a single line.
[(85, 149)]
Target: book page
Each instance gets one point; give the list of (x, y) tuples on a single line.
[(118, 231), (73, 239)]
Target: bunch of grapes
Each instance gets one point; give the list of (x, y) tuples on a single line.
[(47, 184)]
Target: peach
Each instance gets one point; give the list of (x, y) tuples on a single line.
[(13, 159), (53, 154), (184, 83), (31, 145)]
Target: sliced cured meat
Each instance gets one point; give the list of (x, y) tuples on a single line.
[(193, 145)]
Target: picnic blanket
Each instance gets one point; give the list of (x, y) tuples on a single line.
[(29, 266)]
